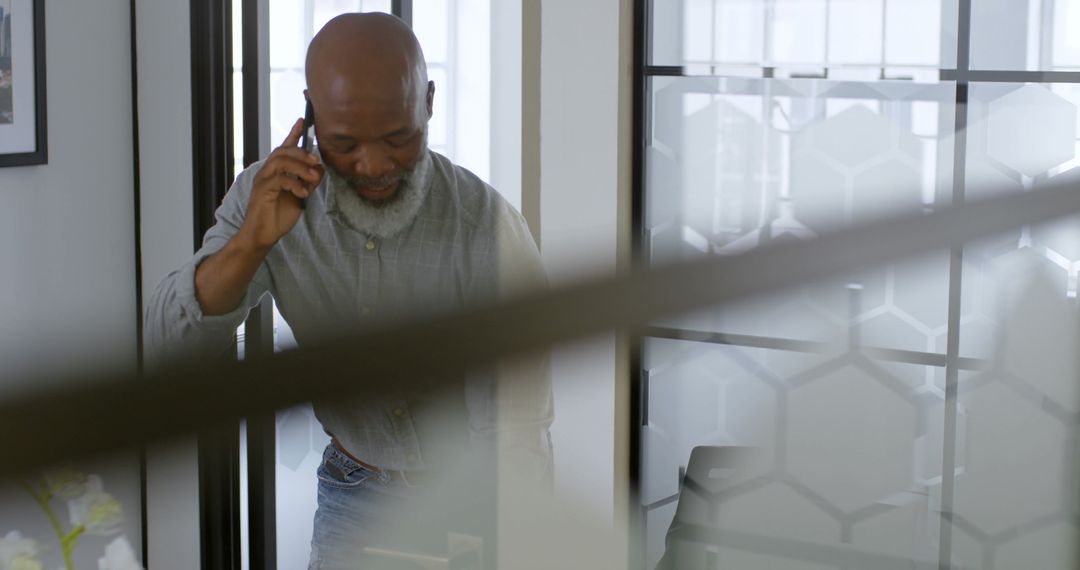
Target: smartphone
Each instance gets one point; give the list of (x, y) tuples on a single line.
[(305, 139)]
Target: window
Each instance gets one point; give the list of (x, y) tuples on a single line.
[(769, 120)]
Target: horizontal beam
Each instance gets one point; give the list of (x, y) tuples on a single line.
[(704, 70), (991, 76), (119, 411), (812, 347)]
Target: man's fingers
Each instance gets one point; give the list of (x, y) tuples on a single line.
[(306, 172), (283, 164), (297, 153), (286, 183), (293, 138)]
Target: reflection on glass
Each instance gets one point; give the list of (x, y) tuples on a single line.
[(810, 478), (1066, 42), (1020, 136), (851, 43), (800, 31), (734, 164), (804, 33), (1032, 35), (915, 35), (1015, 492)]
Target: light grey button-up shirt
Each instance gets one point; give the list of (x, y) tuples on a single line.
[(465, 246)]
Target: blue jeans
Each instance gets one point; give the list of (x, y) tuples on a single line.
[(356, 510)]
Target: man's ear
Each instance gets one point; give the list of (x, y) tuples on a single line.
[(430, 99)]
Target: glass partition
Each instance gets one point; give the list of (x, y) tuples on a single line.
[(919, 414)]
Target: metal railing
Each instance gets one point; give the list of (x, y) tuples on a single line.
[(113, 412)]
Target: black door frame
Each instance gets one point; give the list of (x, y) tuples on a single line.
[(212, 159), (212, 152)]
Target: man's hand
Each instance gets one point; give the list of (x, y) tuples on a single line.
[(288, 175)]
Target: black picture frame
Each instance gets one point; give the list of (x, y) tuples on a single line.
[(40, 154)]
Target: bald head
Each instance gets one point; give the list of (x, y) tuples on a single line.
[(366, 55), (375, 50), (367, 83)]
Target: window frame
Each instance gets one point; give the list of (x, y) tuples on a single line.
[(644, 72)]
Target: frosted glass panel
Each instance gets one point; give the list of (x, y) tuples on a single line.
[(300, 445), (1020, 137), (809, 481), (738, 163), (1015, 498), (1022, 131), (850, 440)]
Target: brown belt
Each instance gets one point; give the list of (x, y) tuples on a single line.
[(410, 479)]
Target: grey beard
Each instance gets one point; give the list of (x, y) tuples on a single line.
[(383, 218)]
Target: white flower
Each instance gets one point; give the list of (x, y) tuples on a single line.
[(95, 510), (65, 482), (25, 563), (18, 553), (119, 556)]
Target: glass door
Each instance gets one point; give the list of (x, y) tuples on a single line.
[(894, 417), (457, 38)]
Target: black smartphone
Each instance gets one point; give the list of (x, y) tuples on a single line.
[(305, 138)]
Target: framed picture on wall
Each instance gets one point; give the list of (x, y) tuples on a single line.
[(22, 83)]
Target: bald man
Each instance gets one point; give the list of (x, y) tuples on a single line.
[(370, 226)]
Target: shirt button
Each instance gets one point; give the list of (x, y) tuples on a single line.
[(398, 412), (370, 245)]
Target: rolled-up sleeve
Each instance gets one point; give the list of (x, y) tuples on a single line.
[(175, 326)]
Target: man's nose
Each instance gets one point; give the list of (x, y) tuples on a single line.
[(372, 162)]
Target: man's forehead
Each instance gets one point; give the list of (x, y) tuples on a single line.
[(372, 47), (364, 117), (352, 94), (363, 82)]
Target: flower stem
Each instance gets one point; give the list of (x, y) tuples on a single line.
[(67, 540), (67, 544)]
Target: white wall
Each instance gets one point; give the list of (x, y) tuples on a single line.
[(67, 287), (164, 69), (582, 195), (66, 228)]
